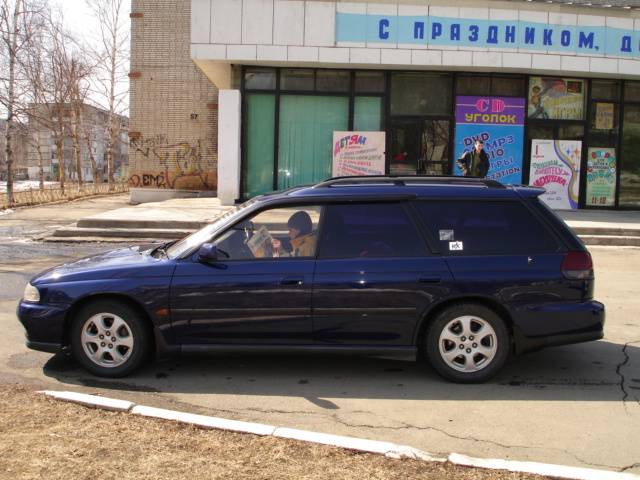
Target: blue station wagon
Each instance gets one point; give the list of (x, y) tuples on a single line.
[(458, 271)]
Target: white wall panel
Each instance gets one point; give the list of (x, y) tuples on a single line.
[(226, 21), (288, 22), (200, 21), (320, 24), (257, 22)]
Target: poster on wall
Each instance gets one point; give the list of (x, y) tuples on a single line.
[(499, 123), (556, 98), (358, 153), (555, 166), (601, 177), (604, 116)]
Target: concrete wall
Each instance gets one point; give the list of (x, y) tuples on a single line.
[(173, 105)]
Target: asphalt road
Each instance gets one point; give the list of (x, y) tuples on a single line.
[(575, 405)]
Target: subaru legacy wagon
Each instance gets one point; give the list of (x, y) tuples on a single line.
[(460, 272)]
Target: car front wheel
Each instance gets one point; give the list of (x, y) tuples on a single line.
[(467, 343), (109, 339)]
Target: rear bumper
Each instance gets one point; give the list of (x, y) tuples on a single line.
[(558, 324)]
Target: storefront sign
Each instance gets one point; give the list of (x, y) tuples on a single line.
[(468, 32), (358, 153), (601, 177), (555, 166), (604, 116), (499, 123), (556, 98)]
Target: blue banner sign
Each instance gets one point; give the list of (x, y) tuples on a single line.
[(499, 123), (428, 30)]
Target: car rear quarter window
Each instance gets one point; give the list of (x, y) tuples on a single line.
[(375, 230), (486, 228)]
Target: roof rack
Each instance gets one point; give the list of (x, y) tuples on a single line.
[(405, 180)]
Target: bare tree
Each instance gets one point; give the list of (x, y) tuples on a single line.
[(112, 59), (19, 22)]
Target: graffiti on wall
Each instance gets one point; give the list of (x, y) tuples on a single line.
[(172, 165)]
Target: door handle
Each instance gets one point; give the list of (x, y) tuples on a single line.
[(429, 279), (292, 281)]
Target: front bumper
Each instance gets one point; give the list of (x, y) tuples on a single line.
[(558, 324), (44, 325)]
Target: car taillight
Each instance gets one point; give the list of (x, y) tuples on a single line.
[(577, 266)]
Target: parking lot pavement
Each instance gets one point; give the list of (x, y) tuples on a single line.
[(574, 405)]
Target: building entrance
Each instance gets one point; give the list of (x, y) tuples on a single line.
[(420, 146)]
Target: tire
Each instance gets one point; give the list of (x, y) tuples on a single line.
[(99, 348), (467, 343)]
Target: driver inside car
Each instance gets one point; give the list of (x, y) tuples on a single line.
[(301, 237)]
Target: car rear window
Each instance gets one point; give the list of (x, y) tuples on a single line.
[(486, 228), (375, 230)]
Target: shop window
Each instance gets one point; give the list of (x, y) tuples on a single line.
[(540, 132), (570, 132), (305, 137), (630, 161), (556, 98), (420, 94), (632, 91), (260, 79), (333, 81), (297, 79), (473, 85), (605, 90), (419, 147), (259, 134), (603, 124), (367, 114), (507, 86), (369, 82)]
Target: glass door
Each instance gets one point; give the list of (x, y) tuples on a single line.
[(420, 147)]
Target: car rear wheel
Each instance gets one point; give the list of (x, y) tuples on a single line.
[(109, 339), (467, 343)]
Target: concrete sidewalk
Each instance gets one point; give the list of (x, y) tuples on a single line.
[(178, 217)]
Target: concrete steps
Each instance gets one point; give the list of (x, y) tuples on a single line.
[(118, 234)]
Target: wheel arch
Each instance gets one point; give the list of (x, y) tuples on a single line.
[(119, 298), (487, 302)]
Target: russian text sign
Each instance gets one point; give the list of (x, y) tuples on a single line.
[(499, 123), (358, 153), (451, 31), (555, 166)]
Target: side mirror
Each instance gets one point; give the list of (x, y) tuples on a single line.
[(208, 253)]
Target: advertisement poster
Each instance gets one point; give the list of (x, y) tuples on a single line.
[(555, 166), (358, 153), (499, 123), (604, 116), (556, 98), (601, 177)]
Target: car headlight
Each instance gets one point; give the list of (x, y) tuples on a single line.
[(31, 294)]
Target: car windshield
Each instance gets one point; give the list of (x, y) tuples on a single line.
[(196, 239)]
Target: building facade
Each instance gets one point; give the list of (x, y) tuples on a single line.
[(269, 92)]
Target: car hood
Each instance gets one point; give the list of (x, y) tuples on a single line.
[(121, 263)]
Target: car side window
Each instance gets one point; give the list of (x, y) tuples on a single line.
[(476, 227), (375, 230), (276, 233)]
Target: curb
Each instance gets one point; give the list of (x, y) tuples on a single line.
[(387, 449)]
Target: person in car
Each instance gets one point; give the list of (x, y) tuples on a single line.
[(303, 240)]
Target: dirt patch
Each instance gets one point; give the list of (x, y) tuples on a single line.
[(43, 438)]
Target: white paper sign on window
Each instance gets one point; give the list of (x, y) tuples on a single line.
[(358, 153), (555, 166)]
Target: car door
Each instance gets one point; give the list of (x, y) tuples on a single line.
[(374, 278), (499, 249), (257, 292)]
